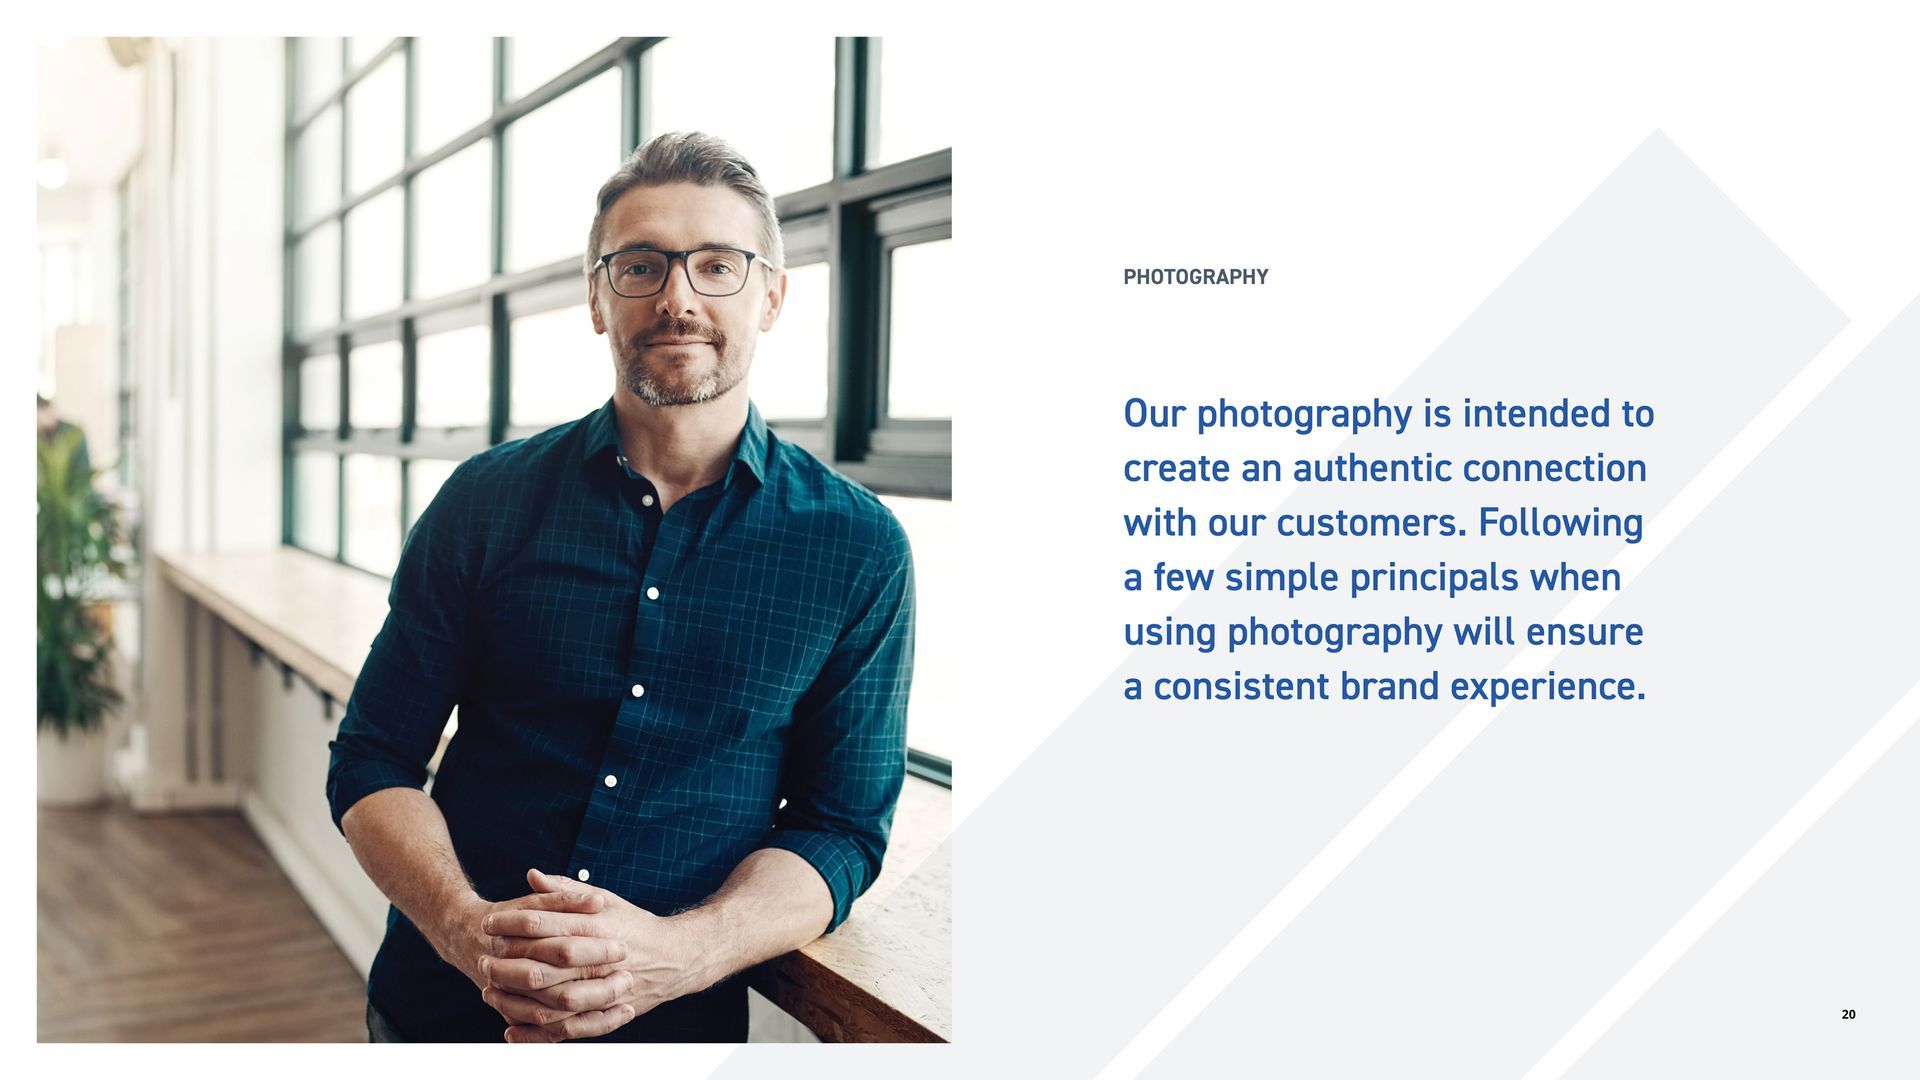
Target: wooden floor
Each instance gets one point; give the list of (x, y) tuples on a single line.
[(180, 928)]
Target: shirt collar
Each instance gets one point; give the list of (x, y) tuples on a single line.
[(603, 433), (753, 445)]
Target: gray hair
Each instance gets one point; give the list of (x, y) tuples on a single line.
[(688, 157)]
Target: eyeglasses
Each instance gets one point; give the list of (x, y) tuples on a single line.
[(712, 271)]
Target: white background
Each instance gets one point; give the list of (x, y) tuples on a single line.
[(1390, 164)]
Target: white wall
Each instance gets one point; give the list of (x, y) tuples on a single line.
[(207, 359), (280, 737)]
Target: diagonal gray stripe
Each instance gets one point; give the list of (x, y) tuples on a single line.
[(1833, 918), (1830, 927), (1568, 840)]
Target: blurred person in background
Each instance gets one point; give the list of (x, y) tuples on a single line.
[(51, 427)]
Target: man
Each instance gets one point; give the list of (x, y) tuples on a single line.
[(680, 647)]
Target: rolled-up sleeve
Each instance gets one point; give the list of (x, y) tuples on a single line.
[(847, 757), (413, 674)]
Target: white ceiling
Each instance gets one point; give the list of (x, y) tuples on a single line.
[(89, 110)]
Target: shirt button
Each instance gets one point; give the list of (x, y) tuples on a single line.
[(638, 690), (583, 875), (611, 780), (646, 500), (653, 593)]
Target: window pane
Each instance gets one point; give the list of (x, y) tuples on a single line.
[(318, 187), (373, 254), (320, 393), (58, 276), (931, 721), (453, 87), (557, 158), (361, 49), (451, 223), (789, 379), (373, 512), (921, 346), (533, 61), (561, 368), (916, 94), (376, 125), (425, 476), (454, 376), (316, 510), (317, 278), (778, 112), (373, 386), (318, 63)]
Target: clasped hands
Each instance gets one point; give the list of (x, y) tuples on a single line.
[(571, 961)]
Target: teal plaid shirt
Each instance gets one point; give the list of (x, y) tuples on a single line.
[(645, 698)]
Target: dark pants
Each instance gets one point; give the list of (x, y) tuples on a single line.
[(378, 1030), (715, 1015)]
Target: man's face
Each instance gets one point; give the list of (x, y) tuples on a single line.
[(678, 347)]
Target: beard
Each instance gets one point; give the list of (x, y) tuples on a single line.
[(681, 374)]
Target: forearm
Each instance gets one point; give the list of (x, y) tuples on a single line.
[(401, 840), (773, 903)]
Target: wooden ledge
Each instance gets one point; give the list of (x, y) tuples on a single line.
[(315, 616), (884, 976)]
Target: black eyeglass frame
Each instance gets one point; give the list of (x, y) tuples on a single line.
[(686, 267)]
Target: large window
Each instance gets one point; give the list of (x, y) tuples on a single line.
[(437, 202)]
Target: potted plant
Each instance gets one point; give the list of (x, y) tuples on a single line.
[(78, 533)]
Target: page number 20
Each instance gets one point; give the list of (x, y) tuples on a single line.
[(1846, 1014)]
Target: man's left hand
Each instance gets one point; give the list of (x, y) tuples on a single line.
[(538, 962)]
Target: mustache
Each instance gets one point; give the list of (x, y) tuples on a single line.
[(674, 327)]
